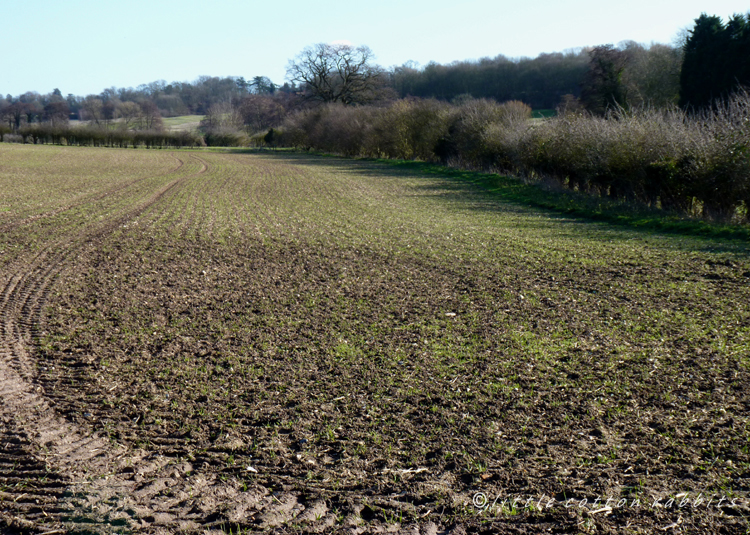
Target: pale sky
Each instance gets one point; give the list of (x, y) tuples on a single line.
[(85, 46)]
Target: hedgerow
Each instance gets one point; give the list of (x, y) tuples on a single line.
[(696, 164), (88, 136)]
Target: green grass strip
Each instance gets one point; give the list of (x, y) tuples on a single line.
[(580, 205)]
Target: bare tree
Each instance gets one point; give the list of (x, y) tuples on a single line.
[(93, 109), (260, 112), (4, 115), (14, 114), (337, 73), (57, 113), (652, 76), (150, 116), (222, 115), (130, 113)]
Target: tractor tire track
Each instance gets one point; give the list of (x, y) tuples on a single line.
[(43, 453), (92, 198), (57, 475)]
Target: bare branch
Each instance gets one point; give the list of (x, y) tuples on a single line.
[(336, 73)]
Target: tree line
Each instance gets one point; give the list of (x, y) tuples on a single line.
[(618, 130), (651, 74), (541, 82), (140, 108), (622, 136), (717, 60), (707, 65)]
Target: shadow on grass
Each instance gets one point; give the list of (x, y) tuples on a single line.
[(498, 191)]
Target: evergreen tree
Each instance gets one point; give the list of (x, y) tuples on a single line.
[(738, 30), (716, 60)]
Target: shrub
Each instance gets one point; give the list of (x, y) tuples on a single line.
[(411, 128), (721, 167), (502, 138), (299, 128), (695, 164), (483, 134), (226, 137)]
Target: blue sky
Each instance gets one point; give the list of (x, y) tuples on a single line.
[(84, 46)]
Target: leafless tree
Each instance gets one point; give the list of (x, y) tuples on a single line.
[(13, 114), (652, 75), (260, 112), (222, 115), (93, 109), (130, 113), (337, 73), (150, 116), (57, 113)]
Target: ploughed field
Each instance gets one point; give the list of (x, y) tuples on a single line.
[(197, 341)]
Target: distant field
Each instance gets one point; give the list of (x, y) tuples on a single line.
[(183, 122), (199, 340)]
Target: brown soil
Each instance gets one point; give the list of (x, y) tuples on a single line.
[(173, 384)]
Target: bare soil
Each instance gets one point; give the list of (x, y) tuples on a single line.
[(162, 373)]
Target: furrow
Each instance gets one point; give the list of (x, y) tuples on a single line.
[(38, 437)]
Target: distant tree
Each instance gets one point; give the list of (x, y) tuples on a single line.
[(129, 113), (74, 104), (109, 110), (150, 116), (569, 104), (262, 85), (287, 88), (57, 113), (715, 60), (260, 112), (652, 75), (405, 78), (270, 138), (337, 73), (33, 111), (540, 82), (156, 88), (15, 115), (29, 97), (31, 106), (6, 112), (223, 115), (603, 86), (171, 105), (242, 84), (738, 29), (704, 50), (92, 109), (111, 93)]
